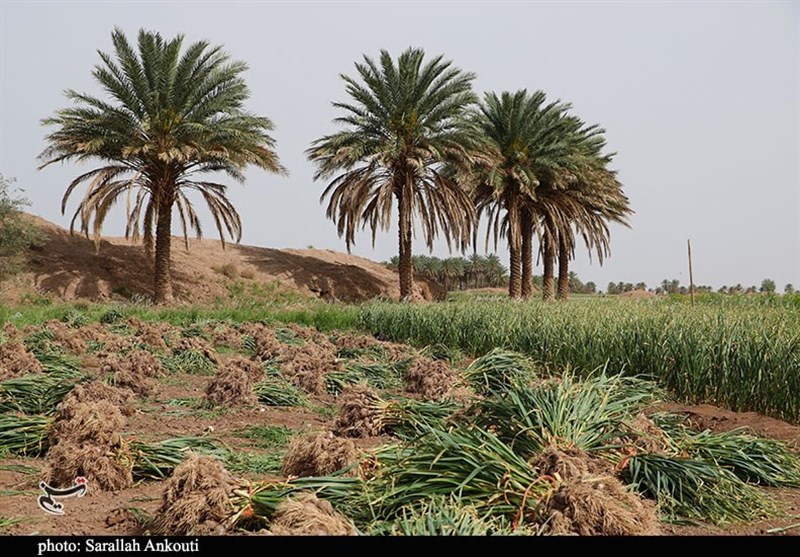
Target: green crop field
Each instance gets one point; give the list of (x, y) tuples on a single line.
[(738, 352)]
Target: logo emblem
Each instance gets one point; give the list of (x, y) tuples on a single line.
[(48, 502)]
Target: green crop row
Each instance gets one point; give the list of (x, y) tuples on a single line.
[(743, 356)]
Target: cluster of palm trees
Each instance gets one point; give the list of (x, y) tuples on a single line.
[(415, 136), (458, 273)]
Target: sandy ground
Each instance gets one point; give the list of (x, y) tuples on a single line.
[(71, 268)]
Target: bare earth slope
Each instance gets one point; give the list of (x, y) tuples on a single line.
[(69, 267)]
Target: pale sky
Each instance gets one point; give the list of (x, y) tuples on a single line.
[(701, 101)]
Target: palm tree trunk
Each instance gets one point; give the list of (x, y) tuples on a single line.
[(515, 247), (527, 255), (406, 268), (563, 268), (549, 262), (162, 278)]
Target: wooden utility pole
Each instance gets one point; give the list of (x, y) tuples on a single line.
[(691, 278)]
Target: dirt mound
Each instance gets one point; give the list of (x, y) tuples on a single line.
[(306, 515), (431, 379), (71, 267), (267, 346), (123, 519), (195, 499), (85, 440), (15, 360), (589, 500), (94, 391), (307, 365), (233, 383), (358, 413), (318, 454)]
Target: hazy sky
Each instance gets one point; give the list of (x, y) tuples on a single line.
[(701, 101)]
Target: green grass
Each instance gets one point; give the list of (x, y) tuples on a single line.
[(257, 464), (271, 440), (267, 437), (326, 316), (743, 355)]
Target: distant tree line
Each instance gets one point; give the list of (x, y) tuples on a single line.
[(458, 273), (675, 287)]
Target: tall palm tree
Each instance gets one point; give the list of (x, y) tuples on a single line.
[(522, 140), (578, 196), (170, 116), (403, 124), (596, 200)]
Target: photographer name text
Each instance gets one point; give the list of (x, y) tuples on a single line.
[(118, 545)]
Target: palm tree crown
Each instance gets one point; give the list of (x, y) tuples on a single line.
[(402, 124), (171, 116)]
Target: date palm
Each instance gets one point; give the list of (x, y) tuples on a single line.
[(403, 128), (170, 116), (525, 143), (582, 203)]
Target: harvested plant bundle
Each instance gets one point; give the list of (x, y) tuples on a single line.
[(85, 440), (431, 379), (233, 383), (359, 415), (498, 370), (307, 365), (694, 489), (587, 414), (24, 435), (469, 463), (306, 515), (589, 500), (318, 454), (277, 391), (196, 499), (158, 460), (753, 459), (37, 393)]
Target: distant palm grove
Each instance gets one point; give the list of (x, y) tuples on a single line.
[(414, 141)]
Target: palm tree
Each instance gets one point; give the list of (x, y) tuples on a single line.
[(521, 137), (404, 123), (578, 196), (170, 116)]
